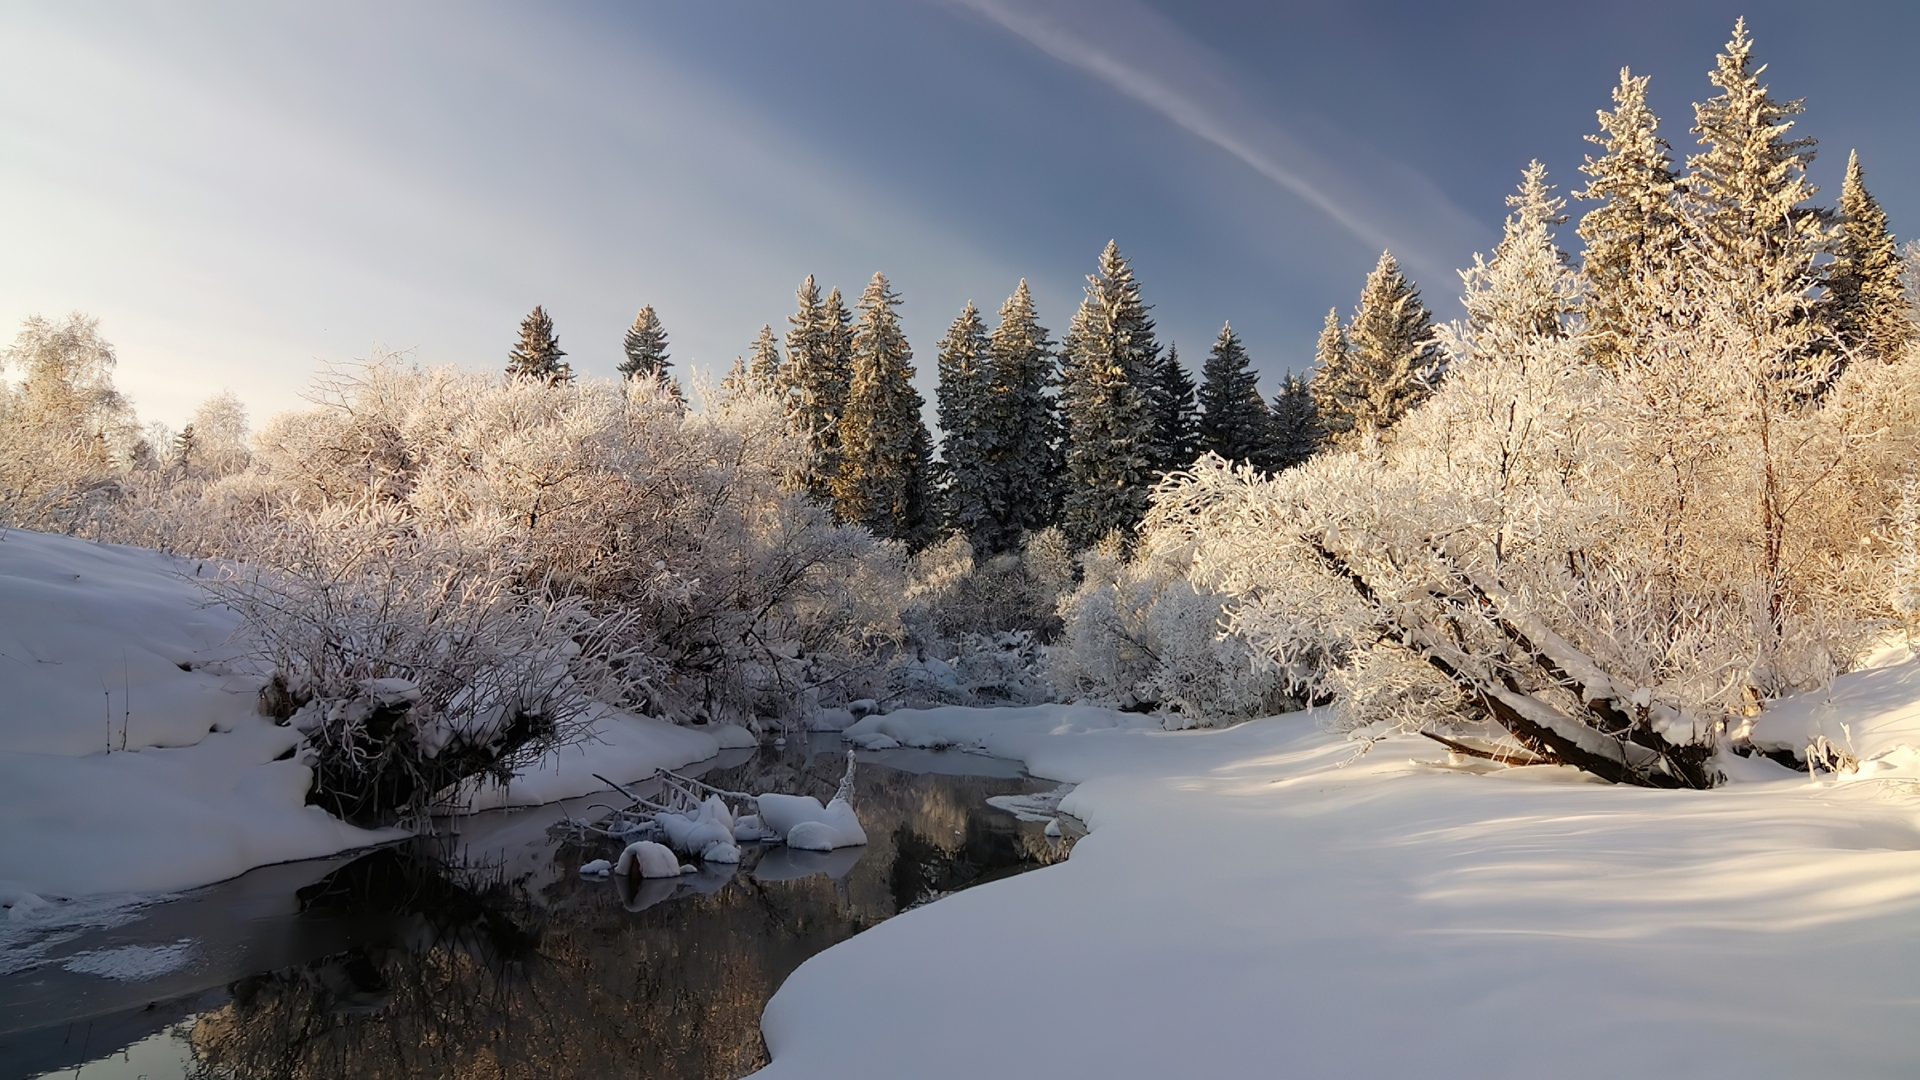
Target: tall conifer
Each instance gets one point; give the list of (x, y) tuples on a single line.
[(813, 381), (1746, 194), (1107, 363), (1294, 426), (1173, 399), (1019, 428), (1389, 364), (884, 444), (645, 346), (1233, 417), (1866, 306), (536, 355), (1636, 228), (763, 362), (966, 376)]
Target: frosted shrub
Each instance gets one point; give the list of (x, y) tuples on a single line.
[(1140, 635), (413, 660)]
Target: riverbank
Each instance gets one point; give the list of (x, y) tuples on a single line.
[(1265, 900)]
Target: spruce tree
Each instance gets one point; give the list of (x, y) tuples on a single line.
[(885, 448), (1866, 308), (537, 354), (1389, 364), (1294, 424), (1527, 292), (1172, 397), (813, 381), (966, 374), (1635, 229), (1107, 363), (1745, 196), (645, 347), (1019, 429), (762, 365), (1234, 422)]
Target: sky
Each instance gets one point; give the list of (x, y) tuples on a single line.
[(244, 192)]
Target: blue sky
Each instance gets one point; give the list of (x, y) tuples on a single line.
[(242, 192)]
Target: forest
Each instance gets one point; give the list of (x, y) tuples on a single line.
[(1657, 476)]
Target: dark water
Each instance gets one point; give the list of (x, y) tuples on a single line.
[(486, 955)]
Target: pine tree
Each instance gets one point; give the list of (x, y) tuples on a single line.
[(763, 362), (1745, 196), (645, 346), (814, 382), (1527, 292), (965, 382), (1390, 362), (1636, 227), (1172, 397), (885, 447), (1866, 308), (1233, 417), (1294, 424), (1108, 358), (1019, 429), (537, 354)]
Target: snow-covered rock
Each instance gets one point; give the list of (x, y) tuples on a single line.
[(646, 859), (805, 824), (707, 832), (596, 868)]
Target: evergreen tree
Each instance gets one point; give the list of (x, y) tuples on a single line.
[(1389, 363), (1234, 422), (537, 354), (1528, 291), (814, 382), (1745, 196), (1019, 429), (1294, 425), (1176, 432), (966, 375), (884, 444), (1636, 227), (1866, 308), (645, 346), (1108, 360), (763, 362)]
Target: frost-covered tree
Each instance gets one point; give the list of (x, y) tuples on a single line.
[(214, 442), (966, 378), (763, 361), (814, 380), (1176, 417), (536, 355), (1294, 431), (1866, 305), (1745, 201), (1019, 429), (1635, 230), (645, 347), (1234, 421), (885, 447), (65, 431), (1390, 364), (1108, 361)]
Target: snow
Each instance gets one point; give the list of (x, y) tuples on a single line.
[(649, 860), (94, 640), (707, 832), (1330, 913), (100, 642), (596, 868), (808, 826), (132, 963)]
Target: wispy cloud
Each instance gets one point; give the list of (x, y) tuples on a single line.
[(1142, 55)]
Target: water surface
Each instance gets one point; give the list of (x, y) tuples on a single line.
[(485, 954)]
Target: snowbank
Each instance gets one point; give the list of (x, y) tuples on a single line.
[(101, 643), (1391, 915)]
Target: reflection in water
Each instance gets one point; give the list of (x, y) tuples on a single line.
[(502, 972)]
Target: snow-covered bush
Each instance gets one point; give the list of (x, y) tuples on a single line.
[(1615, 565), (1141, 635)]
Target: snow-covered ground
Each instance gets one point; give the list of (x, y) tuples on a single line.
[(132, 759), (1258, 901)]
